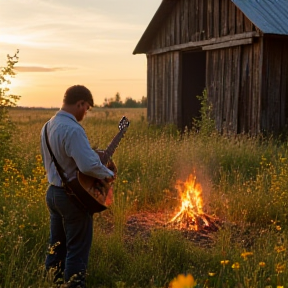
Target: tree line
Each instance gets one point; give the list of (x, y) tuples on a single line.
[(116, 102)]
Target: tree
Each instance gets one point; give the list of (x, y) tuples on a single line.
[(113, 102), (131, 103), (6, 74), (144, 102), (6, 100)]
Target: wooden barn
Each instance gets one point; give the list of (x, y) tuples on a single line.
[(236, 49)]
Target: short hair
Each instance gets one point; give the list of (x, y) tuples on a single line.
[(76, 93)]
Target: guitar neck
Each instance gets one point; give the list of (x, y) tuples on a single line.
[(112, 146)]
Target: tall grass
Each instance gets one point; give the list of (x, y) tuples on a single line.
[(244, 180)]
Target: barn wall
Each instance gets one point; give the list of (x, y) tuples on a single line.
[(163, 76), (197, 20), (247, 84), (233, 83), (274, 106)]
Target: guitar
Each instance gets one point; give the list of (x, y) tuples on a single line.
[(96, 194)]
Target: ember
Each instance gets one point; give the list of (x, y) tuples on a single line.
[(191, 215)]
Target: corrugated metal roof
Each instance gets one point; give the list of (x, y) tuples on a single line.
[(270, 16)]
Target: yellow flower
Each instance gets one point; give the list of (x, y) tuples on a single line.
[(125, 181), (280, 268), (279, 249), (262, 264), (278, 286), (224, 262), (236, 266), (211, 274), (183, 281), (52, 248), (246, 254)]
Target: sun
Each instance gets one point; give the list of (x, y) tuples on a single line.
[(9, 83)]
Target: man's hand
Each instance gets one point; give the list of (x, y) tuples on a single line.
[(110, 179)]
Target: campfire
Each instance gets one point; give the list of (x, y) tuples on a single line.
[(191, 215)]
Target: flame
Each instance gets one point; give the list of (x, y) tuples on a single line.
[(191, 215)]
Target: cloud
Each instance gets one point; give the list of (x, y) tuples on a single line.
[(41, 69)]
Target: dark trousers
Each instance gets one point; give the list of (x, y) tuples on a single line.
[(71, 230)]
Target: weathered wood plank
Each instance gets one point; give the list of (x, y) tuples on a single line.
[(284, 85), (209, 28), (201, 19), (177, 23), (216, 18), (204, 42), (186, 21), (229, 44), (236, 71), (149, 86), (177, 89), (248, 25), (232, 18), (255, 91), (224, 17), (197, 20), (227, 89), (239, 21)]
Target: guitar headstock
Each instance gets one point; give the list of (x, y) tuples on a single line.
[(123, 124)]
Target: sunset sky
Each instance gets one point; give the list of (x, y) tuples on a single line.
[(67, 42)]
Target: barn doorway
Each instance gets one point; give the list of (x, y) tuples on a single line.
[(193, 84)]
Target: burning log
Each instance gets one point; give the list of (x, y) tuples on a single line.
[(191, 215)]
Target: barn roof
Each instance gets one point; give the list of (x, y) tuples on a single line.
[(270, 16)]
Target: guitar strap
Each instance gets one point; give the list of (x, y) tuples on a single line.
[(57, 165)]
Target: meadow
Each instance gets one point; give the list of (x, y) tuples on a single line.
[(245, 185)]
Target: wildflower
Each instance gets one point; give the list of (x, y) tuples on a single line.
[(211, 274), (224, 262), (279, 249), (278, 228), (280, 268), (124, 181), (52, 248), (278, 286), (236, 266), (183, 281), (262, 264), (246, 254)]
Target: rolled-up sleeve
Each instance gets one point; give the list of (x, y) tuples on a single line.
[(87, 160)]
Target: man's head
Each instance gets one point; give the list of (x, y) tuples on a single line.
[(76, 93), (77, 101)]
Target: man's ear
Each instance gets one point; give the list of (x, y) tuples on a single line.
[(80, 103)]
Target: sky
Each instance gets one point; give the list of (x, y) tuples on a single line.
[(66, 42)]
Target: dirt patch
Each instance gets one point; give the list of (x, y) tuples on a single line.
[(143, 223)]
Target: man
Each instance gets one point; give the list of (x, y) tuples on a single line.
[(71, 226)]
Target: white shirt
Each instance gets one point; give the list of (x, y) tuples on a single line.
[(71, 148)]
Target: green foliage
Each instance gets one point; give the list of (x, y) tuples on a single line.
[(206, 124), (6, 100)]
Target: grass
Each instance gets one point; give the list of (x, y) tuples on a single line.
[(244, 181)]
